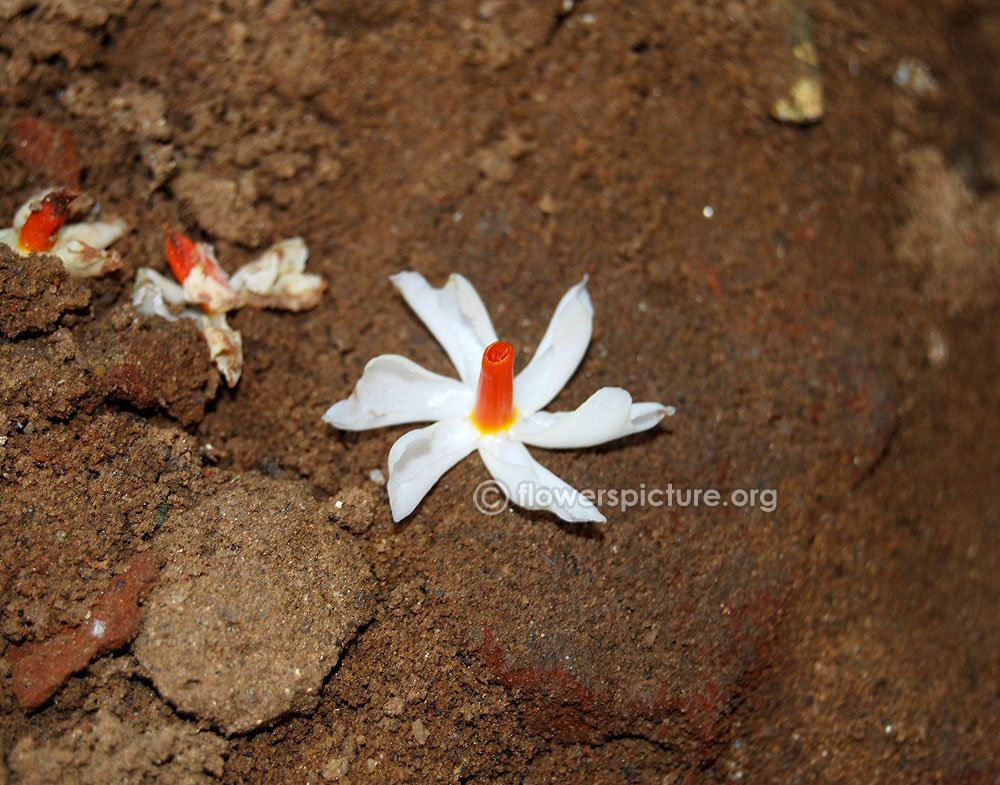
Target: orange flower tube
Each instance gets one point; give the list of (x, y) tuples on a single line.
[(495, 395), (39, 231)]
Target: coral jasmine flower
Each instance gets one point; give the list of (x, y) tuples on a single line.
[(40, 227), (488, 409), (275, 280)]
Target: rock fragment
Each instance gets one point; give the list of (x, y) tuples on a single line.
[(246, 626), (39, 668)]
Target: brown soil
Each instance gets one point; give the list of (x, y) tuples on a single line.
[(204, 584)]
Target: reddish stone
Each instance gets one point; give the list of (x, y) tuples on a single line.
[(39, 668), (42, 147)]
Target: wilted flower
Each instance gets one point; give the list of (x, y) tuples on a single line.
[(274, 280), (40, 227)]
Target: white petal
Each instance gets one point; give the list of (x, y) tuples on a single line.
[(394, 390), (456, 317), (85, 261), (529, 484), (9, 237), (258, 276), (225, 346), (213, 295), (295, 292), (277, 279), (26, 209), (419, 458), (152, 292), (559, 353), (96, 234), (607, 414)]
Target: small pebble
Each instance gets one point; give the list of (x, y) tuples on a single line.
[(334, 769), (937, 349)]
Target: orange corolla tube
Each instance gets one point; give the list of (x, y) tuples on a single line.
[(39, 232), (183, 255), (495, 395)]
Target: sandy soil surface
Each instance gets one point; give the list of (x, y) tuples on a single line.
[(201, 583)]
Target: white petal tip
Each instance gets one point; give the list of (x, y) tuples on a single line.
[(404, 497), (644, 416), (594, 516), (336, 416), (400, 279)]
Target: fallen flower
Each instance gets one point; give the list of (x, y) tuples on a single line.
[(488, 410), (40, 227), (275, 280)]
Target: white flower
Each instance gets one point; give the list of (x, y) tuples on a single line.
[(487, 408), (275, 280), (39, 226)]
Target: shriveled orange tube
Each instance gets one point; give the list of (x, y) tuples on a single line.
[(39, 232), (182, 255), (495, 394)]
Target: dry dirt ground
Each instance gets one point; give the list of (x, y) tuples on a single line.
[(204, 584)]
